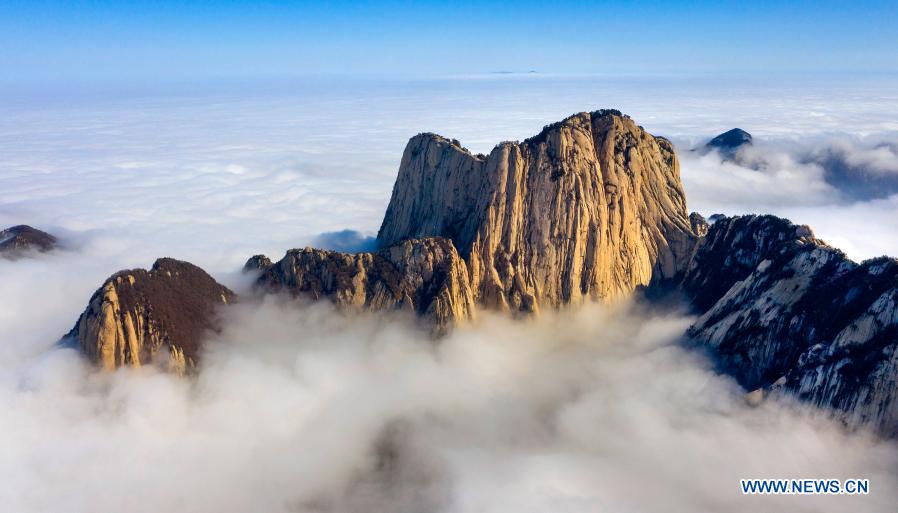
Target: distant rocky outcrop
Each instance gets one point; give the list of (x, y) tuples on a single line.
[(258, 263), (858, 170), (729, 142), (698, 224), (426, 277), (591, 208), (19, 240), (137, 317), (785, 312)]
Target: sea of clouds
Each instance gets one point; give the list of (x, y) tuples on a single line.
[(298, 408)]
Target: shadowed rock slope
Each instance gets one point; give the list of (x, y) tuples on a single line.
[(138, 317), (785, 312), (16, 241)]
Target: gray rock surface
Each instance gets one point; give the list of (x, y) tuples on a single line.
[(784, 312)]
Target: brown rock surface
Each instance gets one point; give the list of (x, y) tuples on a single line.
[(18, 240), (138, 316)]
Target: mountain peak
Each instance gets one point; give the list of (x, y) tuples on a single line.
[(591, 207), (730, 141), (136, 314), (18, 240)]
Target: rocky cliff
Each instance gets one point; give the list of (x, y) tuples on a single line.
[(591, 208), (138, 317), (16, 241), (423, 276), (785, 312)]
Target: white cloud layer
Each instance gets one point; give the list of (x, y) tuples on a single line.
[(841, 186), (300, 409)]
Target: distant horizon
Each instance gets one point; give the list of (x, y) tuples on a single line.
[(843, 74)]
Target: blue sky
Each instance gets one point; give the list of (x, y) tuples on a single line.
[(45, 40)]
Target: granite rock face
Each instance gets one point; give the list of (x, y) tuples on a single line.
[(16, 241), (784, 312), (138, 317), (591, 208), (423, 276)]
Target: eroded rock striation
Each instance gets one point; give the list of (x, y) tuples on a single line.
[(137, 317), (591, 208), (423, 276), (16, 241), (783, 311)]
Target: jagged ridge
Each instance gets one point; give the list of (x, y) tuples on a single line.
[(424, 276)]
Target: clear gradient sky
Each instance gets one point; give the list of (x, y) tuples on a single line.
[(56, 40)]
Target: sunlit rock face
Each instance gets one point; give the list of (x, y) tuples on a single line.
[(160, 316), (591, 208), (785, 312), (18, 241), (423, 276)]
